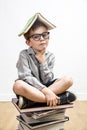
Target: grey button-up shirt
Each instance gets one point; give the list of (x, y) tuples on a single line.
[(32, 72)]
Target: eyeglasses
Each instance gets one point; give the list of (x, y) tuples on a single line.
[(37, 37)]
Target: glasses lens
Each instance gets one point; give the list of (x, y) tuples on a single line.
[(45, 35), (37, 37)]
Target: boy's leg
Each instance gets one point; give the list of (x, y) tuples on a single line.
[(22, 88), (61, 85)]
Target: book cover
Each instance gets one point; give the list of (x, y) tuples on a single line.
[(41, 124), (59, 126), (40, 108), (31, 21), (30, 116), (20, 127), (46, 113), (28, 119)]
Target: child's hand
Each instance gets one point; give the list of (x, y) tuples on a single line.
[(51, 98), (40, 56)]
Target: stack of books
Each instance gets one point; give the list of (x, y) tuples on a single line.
[(42, 117)]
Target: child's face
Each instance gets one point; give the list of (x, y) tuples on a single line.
[(39, 42)]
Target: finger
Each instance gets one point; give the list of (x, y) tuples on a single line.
[(48, 103), (55, 102), (57, 97), (51, 103)]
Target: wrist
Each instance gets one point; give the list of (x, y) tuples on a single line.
[(42, 60), (46, 90)]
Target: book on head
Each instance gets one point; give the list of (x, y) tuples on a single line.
[(37, 16)]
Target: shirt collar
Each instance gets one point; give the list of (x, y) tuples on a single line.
[(31, 51)]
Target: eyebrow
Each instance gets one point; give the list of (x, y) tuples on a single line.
[(37, 34)]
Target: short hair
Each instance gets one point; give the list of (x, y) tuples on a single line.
[(34, 26)]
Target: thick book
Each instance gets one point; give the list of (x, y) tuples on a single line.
[(59, 126), (29, 119), (20, 127), (40, 108), (42, 124), (46, 113), (30, 22)]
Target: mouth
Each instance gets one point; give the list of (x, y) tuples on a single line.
[(43, 43)]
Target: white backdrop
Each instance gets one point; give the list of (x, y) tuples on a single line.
[(68, 41)]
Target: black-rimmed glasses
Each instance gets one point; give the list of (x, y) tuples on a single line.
[(37, 37)]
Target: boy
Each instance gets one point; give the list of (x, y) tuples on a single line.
[(36, 81)]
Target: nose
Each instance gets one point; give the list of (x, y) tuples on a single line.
[(41, 38)]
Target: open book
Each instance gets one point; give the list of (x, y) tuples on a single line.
[(32, 20)]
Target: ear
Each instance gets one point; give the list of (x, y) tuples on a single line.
[(28, 42)]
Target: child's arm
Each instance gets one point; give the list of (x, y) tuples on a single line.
[(46, 61), (25, 73), (50, 96)]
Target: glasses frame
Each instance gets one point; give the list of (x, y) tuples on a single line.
[(45, 35)]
